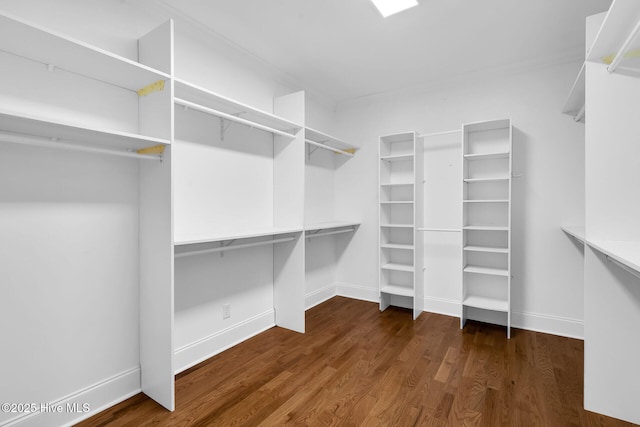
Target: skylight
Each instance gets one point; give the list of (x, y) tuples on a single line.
[(389, 7)]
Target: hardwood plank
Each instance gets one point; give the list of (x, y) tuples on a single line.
[(356, 366)]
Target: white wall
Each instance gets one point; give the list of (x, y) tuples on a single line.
[(548, 152)]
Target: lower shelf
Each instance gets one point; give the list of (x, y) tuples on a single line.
[(486, 270), (486, 303), (398, 267), (397, 290)]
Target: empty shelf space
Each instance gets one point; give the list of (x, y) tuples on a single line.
[(398, 267), (328, 142), (66, 132), (486, 303), (245, 234), (397, 157), (397, 246), (487, 201), (577, 232), (397, 290), (191, 96), (486, 270), (57, 50), (397, 225), (494, 179), (491, 249), (486, 227), (487, 156), (626, 253)]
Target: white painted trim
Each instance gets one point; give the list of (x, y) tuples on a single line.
[(321, 295), (98, 397), (198, 351), (363, 293), (445, 306), (548, 324)]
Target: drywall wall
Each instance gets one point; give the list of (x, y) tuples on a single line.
[(548, 153)]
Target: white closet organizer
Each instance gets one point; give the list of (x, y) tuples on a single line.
[(401, 245), (486, 231), (109, 215)]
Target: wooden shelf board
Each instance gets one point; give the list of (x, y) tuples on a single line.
[(625, 252), (396, 246), (85, 136), (397, 290), (397, 157), (487, 156), (398, 267), (240, 234), (48, 47), (492, 249), (486, 270), (575, 231), (486, 228), (486, 303), (206, 98), (330, 224), (323, 138)]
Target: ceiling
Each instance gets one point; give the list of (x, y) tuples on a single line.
[(344, 49)]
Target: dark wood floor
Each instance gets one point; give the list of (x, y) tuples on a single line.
[(356, 366)]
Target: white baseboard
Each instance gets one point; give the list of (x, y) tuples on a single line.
[(357, 292), (318, 297), (562, 326), (444, 306), (191, 354), (84, 403)]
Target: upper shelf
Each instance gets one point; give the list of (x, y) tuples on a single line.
[(52, 49), (65, 132), (574, 105), (330, 225), (575, 231), (190, 95), (240, 234), (328, 142), (618, 38), (626, 253)]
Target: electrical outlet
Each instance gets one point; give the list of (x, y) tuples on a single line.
[(226, 311)]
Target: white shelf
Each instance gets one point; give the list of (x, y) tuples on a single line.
[(329, 142), (486, 303), (486, 201), (398, 184), (494, 179), (491, 249), (576, 232), (330, 224), (397, 225), (396, 246), (80, 135), (487, 156), (50, 48), (241, 234), (486, 270), (212, 101), (397, 290), (626, 253), (398, 267), (486, 227), (397, 157), (398, 202)]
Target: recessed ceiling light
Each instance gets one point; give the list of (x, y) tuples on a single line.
[(389, 7)]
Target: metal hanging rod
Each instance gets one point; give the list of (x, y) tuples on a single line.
[(623, 266), (230, 117), (58, 144), (446, 132), (444, 230), (233, 247), (317, 234), (328, 147), (623, 49)]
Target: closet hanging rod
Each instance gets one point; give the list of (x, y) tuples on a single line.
[(230, 117), (328, 233), (328, 147), (56, 143), (446, 132), (233, 247), (444, 230), (623, 266), (623, 49)]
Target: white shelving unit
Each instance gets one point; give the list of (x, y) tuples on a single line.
[(486, 230), (125, 110), (401, 243)]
